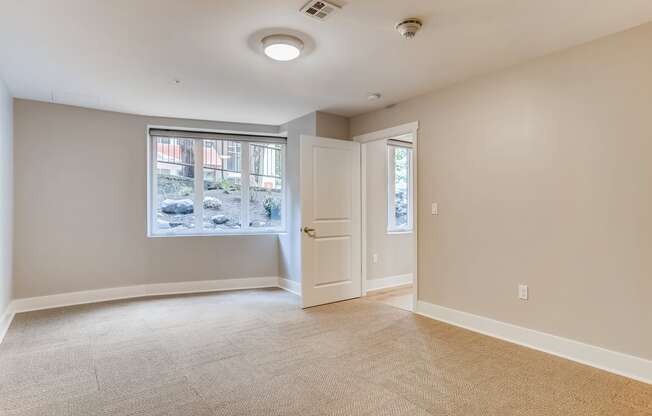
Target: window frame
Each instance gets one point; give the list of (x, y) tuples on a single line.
[(392, 228), (198, 152)]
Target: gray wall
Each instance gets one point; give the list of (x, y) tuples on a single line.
[(313, 124), (80, 208), (543, 175), (6, 196), (290, 252), (395, 251), (332, 125)]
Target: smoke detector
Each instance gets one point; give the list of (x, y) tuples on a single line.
[(319, 10), (408, 28), (373, 96)]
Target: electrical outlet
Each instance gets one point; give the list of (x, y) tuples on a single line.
[(523, 292), (435, 209), (374, 258)]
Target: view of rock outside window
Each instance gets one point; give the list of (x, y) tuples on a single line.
[(265, 185), (222, 185), (401, 187), (224, 198), (175, 170)]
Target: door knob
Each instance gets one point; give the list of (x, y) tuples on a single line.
[(310, 232)]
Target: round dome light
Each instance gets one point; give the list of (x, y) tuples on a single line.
[(282, 47)]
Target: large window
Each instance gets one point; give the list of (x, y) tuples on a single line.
[(213, 184), (399, 192)]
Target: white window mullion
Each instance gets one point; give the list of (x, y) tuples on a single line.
[(244, 185), (198, 150)]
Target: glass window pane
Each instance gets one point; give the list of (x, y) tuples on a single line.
[(265, 185), (222, 185), (401, 187), (175, 179), (180, 208)]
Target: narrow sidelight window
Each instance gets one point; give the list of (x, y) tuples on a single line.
[(399, 192)]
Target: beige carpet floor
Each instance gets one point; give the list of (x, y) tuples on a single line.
[(258, 353)]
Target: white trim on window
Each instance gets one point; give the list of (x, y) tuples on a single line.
[(245, 177)]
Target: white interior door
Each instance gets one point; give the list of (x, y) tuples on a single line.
[(330, 215)]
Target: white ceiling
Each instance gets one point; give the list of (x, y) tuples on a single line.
[(124, 54)]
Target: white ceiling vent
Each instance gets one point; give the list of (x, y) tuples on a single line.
[(319, 10)]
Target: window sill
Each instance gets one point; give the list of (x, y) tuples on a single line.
[(233, 234), (399, 232)]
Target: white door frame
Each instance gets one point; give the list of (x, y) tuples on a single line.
[(392, 132)]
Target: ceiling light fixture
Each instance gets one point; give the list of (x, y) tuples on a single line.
[(282, 47), (374, 96)]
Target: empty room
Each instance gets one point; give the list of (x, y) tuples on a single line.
[(313, 208)]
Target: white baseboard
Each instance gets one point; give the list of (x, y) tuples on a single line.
[(615, 362), (389, 282), (290, 285), (103, 295), (5, 321)]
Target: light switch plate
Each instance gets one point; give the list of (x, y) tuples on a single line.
[(435, 209), (523, 292)]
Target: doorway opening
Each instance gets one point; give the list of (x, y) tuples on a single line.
[(389, 235)]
